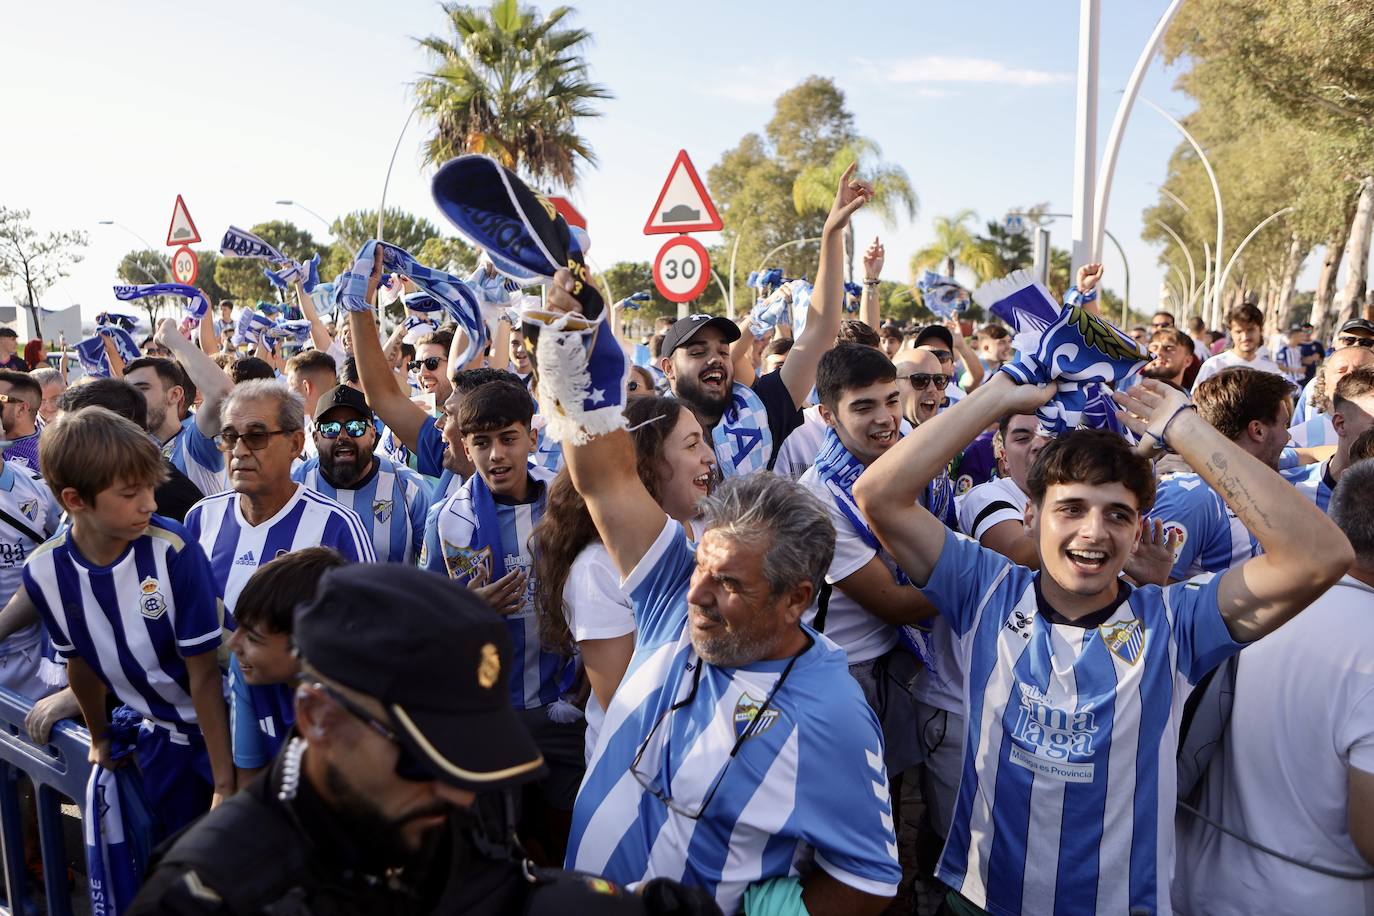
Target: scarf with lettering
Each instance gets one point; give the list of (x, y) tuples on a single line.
[(470, 532), (196, 306), (743, 440), (457, 298), (240, 243), (1068, 346), (118, 824)]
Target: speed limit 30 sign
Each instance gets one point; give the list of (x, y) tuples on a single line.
[(185, 265), (682, 269)]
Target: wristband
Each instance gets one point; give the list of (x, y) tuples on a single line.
[(1155, 434), (872, 282)]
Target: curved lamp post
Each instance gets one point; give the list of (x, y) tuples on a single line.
[(381, 210)]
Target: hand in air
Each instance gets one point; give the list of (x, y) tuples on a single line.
[(1089, 275), (873, 260), (851, 195)]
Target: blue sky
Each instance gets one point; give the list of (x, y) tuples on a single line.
[(115, 108)]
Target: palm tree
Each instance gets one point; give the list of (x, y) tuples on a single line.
[(813, 191), (510, 85), (956, 246)]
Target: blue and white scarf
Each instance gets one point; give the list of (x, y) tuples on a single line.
[(743, 440), (116, 319), (765, 281), (293, 331), (90, 353), (853, 297), (470, 531), (457, 298), (251, 328), (118, 824), (581, 379), (802, 291), (767, 312), (308, 273), (240, 243), (941, 295), (493, 289), (322, 297), (195, 309), (1069, 346)]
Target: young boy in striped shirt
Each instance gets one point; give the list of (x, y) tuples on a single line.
[(128, 601)]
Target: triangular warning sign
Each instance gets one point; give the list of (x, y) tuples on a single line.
[(182, 231), (683, 205)]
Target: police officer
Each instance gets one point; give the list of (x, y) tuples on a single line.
[(389, 797)]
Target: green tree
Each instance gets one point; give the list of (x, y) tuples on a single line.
[(350, 231), (955, 246), (242, 278), (1013, 250), (205, 276), (453, 255), (31, 263), (626, 277), (510, 84)]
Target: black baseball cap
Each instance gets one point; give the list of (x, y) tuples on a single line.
[(684, 329), (1357, 324), (436, 656), (938, 332), (342, 396), (11, 332)]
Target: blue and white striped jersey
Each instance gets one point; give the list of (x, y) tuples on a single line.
[(134, 621), (25, 498), (1313, 481), (392, 503), (1316, 430), (260, 715), (808, 785), (1211, 538), (236, 549), (194, 454), (1066, 801), (455, 547)]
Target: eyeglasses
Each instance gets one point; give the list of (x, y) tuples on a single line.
[(649, 775), (408, 766), (920, 380), (256, 441), (1350, 340), (330, 429), (11, 399), (430, 362)]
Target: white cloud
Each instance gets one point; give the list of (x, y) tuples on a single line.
[(960, 70)]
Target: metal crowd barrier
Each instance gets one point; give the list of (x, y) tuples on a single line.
[(58, 771)]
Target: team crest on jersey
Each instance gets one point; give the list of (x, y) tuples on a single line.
[(30, 509), (963, 484), (1125, 639), (747, 710), (1178, 531), (466, 562), (381, 508), (151, 603)]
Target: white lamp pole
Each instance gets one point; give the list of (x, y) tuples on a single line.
[(1085, 134)]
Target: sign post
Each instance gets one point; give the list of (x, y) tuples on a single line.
[(182, 231), (185, 265), (683, 267)]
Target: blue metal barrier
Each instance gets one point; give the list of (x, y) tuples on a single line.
[(57, 770)]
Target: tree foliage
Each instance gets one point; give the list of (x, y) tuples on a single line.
[(30, 263), (512, 84)]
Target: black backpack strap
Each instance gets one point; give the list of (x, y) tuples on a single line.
[(22, 528), (822, 606)]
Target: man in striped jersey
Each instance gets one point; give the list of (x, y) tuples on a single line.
[(1317, 428), (1352, 412), (738, 754), (267, 514), (391, 499), (127, 600), (28, 517), (480, 537), (1075, 681)]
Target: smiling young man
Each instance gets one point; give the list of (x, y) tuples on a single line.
[(860, 404), (391, 500), (1245, 325), (1076, 680)]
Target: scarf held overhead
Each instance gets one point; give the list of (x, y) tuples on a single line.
[(195, 308)]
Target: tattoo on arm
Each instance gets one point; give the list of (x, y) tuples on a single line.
[(1236, 494)]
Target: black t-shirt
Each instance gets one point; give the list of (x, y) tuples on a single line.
[(783, 413), (176, 495)]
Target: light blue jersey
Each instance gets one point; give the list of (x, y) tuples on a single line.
[(194, 454), (1210, 537), (806, 787), (392, 503), (1316, 430), (1313, 481), (1066, 802), (134, 621)]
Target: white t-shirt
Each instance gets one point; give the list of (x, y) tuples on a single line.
[(597, 608), (861, 635), (989, 504), (1227, 359), (802, 445), (1303, 716)]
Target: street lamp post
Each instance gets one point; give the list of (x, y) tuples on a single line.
[(296, 203), (381, 210), (146, 244), (1085, 132)]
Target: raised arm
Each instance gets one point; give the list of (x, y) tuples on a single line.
[(319, 334), (112, 354), (389, 402), (627, 517), (889, 491), (870, 309), (209, 335), (1304, 552), (742, 351), (965, 354), (827, 297), (209, 378), (65, 361)]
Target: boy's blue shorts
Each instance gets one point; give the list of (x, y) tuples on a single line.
[(176, 776)]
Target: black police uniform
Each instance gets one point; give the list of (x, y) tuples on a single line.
[(258, 854)]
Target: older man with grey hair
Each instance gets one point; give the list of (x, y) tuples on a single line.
[(1295, 770), (737, 755), (265, 514)]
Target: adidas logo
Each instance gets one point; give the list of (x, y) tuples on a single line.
[(246, 560)]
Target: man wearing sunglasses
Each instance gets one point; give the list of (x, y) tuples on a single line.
[(1357, 332), (390, 499), (379, 803), (20, 397)]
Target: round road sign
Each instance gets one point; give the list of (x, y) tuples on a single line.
[(682, 269), (185, 267)]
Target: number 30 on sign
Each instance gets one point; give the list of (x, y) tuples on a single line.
[(682, 269)]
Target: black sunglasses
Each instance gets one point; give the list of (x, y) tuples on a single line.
[(408, 766), (921, 380), (429, 362), (1350, 340), (330, 429)]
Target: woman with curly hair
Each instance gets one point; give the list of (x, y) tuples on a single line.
[(578, 596)]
